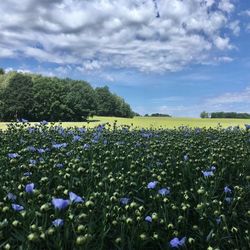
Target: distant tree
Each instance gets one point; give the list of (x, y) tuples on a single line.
[(2, 72), (146, 115), (234, 115), (160, 115), (17, 98), (204, 114)]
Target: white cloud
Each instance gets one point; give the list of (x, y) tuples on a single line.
[(116, 33), (226, 6), (231, 98)]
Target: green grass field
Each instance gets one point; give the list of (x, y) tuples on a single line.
[(156, 122)]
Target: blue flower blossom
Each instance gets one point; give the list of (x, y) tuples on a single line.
[(59, 145), (152, 184), (11, 196), (58, 222), (33, 162), (76, 138), (164, 191), (185, 157), (59, 203), (176, 243), (17, 207), (43, 122), (86, 146), (27, 174), (29, 188), (148, 219), (41, 150), (13, 155), (75, 198), (227, 190), (124, 201), (207, 173), (59, 165)]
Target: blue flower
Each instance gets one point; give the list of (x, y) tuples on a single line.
[(59, 203), (11, 197), (60, 145), (148, 219), (152, 184), (27, 174), (33, 162), (59, 165), (24, 121), (86, 146), (186, 158), (247, 126), (58, 222), (29, 188), (124, 201), (164, 191), (76, 138), (207, 173), (13, 156), (213, 168), (41, 150), (43, 122), (17, 207), (75, 198), (227, 190), (175, 242)]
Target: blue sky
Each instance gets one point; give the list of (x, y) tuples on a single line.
[(168, 56)]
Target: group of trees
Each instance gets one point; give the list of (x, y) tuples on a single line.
[(158, 115), (205, 114), (36, 98)]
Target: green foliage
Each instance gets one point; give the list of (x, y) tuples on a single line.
[(230, 115), (2, 72), (35, 97), (112, 105), (16, 98), (204, 114), (160, 115)]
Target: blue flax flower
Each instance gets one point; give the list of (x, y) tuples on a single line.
[(58, 222), (124, 201), (60, 145), (44, 122), (11, 197), (175, 242), (75, 198), (164, 191), (29, 188), (59, 203), (148, 219), (227, 190), (152, 184), (27, 174), (185, 157), (13, 156), (207, 173), (17, 207)]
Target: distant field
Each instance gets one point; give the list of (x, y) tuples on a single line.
[(156, 122)]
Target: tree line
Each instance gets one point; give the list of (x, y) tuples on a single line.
[(36, 97), (234, 115)]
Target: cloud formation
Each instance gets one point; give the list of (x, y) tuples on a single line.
[(148, 35)]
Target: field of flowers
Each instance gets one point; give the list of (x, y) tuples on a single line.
[(120, 188)]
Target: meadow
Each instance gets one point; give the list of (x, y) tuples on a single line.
[(155, 122), (113, 187)]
